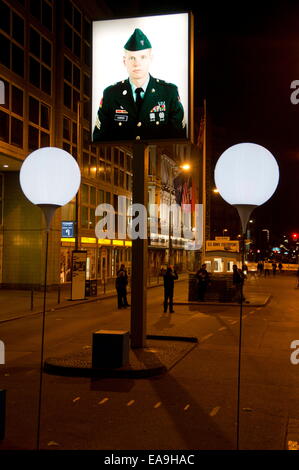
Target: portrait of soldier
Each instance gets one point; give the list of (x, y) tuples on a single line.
[(140, 107)]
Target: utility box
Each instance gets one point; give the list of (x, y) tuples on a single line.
[(110, 348)]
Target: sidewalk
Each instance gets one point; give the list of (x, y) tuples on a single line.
[(15, 304)]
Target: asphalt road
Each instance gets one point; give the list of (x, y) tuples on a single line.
[(193, 406)]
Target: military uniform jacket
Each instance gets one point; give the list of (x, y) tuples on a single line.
[(161, 115)]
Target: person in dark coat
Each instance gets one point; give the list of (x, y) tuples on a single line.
[(202, 279), (238, 282), (121, 287), (140, 107), (169, 276)]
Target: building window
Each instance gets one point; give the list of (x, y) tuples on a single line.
[(11, 116), (69, 133), (40, 61), (43, 11), (39, 124), (11, 39)]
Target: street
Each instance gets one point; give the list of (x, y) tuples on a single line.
[(192, 406)]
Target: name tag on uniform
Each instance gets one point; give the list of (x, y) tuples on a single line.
[(121, 117)]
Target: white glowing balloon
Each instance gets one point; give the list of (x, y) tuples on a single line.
[(50, 176), (246, 174)]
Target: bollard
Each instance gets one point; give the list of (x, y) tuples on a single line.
[(2, 413), (58, 299), (104, 285), (31, 300)]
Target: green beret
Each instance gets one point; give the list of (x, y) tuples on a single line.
[(137, 42)]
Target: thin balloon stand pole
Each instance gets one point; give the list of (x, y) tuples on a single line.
[(244, 213), (48, 211), (240, 340)]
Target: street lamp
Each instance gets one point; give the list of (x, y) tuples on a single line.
[(50, 178), (241, 185)]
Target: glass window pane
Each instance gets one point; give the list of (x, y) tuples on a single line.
[(101, 197), (101, 170), (108, 173), (45, 117), (66, 147), (87, 55), (108, 198), (86, 85), (66, 128), (77, 20), (44, 139), (4, 51), (85, 164), (92, 196), (92, 217), (34, 42), (76, 77), (87, 30), (18, 28), (47, 16), (34, 72), (68, 70), (84, 216), (46, 80), (68, 36), (93, 167), (17, 100), (46, 52), (32, 138), (17, 132), (4, 126), (76, 98), (115, 176), (68, 11), (67, 96), (84, 194), (74, 137), (77, 45), (33, 110), (4, 17), (17, 60), (35, 8)]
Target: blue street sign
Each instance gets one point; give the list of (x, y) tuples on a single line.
[(67, 229)]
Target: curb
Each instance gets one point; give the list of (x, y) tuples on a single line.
[(226, 304)]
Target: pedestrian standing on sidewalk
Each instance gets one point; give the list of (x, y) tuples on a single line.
[(267, 267), (202, 279), (274, 267), (280, 267), (121, 287), (297, 274), (238, 282), (169, 276)]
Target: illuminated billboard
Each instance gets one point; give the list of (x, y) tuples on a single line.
[(141, 79)]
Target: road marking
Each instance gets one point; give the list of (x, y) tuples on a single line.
[(206, 337), (259, 308), (233, 322), (252, 311), (214, 411), (158, 404), (187, 407), (130, 403), (222, 328), (103, 401)]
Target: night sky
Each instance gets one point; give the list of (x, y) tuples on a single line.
[(247, 55)]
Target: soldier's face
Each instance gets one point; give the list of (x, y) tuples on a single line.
[(137, 64)]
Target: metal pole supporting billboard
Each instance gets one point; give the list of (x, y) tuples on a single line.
[(139, 251)]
